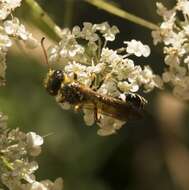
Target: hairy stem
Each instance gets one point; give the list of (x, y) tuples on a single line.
[(122, 13), (50, 27)]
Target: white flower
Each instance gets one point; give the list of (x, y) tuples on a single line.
[(137, 48), (57, 185), (3, 67), (75, 68), (167, 76), (16, 164), (76, 31), (164, 12), (14, 28), (109, 88), (88, 117), (183, 5), (9, 30), (88, 32), (33, 139), (102, 27), (110, 33), (5, 42), (96, 68), (122, 96), (3, 122), (174, 34), (53, 54), (128, 87), (65, 105), (7, 6), (110, 56), (106, 71), (31, 42), (109, 125), (37, 186), (34, 142)]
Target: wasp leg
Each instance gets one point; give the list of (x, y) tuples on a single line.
[(107, 76), (96, 115), (101, 82), (93, 80), (77, 107), (75, 76)]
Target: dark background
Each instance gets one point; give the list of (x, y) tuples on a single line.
[(148, 154)]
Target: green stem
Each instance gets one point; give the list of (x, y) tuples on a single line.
[(99, 48), (68, 13), (6, 163), (122, 13), (39, 14)]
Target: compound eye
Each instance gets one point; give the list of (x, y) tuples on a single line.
[(58, 74), (54, 82)]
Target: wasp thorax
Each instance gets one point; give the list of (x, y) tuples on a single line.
[(53, 81), (71, 94)]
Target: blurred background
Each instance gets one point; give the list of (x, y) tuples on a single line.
[(148, 154)]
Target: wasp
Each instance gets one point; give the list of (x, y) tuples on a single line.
[(57, 83)]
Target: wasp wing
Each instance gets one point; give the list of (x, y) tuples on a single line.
[(112, 111)]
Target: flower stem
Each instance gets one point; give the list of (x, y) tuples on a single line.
[(122, 13), (6, 163), (68, 13), (50, 28)]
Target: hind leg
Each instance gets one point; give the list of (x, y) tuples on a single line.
[(96, 114)]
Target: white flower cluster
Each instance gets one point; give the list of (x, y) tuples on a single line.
[(174, 34), (17, 165), (84, 52), (11, 29), (7, 6)]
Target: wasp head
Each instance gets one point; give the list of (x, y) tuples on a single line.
[(53, 81)]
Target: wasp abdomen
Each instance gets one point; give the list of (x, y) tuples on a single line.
[(135, 100)]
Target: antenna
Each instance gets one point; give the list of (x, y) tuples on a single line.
[(44, 51)]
